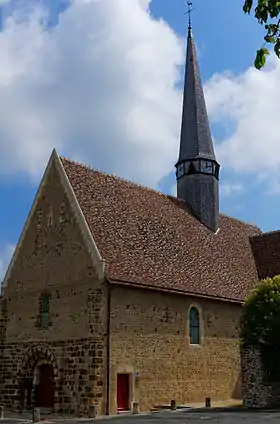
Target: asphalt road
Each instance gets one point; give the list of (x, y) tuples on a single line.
[(172, 418), (201, 418)]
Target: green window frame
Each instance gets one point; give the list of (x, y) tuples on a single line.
[(194, 326), (45, 310)]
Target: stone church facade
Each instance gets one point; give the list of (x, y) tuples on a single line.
[(117, 293)]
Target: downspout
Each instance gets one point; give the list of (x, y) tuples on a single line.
[(108, 356)]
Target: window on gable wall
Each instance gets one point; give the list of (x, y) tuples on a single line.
[(62, 215), (50, 217), (39, 219), (194, 326), (45, 310)]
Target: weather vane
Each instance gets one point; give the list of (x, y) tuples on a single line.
[(189, 11)]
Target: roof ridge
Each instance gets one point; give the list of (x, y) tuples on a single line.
[(152, 190), (240, 220), (89, 168), (268, 233)]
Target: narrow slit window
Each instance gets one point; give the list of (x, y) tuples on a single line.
[(194, 326), (50, 217), (39, 219), (45, 310), (62, 215)]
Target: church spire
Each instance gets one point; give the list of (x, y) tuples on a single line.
[(197, 168)]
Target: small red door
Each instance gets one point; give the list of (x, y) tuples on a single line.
[(123, 392), (46, 387)]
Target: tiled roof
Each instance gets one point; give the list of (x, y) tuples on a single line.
[(148, 238), (266, 249)]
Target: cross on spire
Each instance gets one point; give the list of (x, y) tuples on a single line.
[(189, 11)]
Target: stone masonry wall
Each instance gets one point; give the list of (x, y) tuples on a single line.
[(2, 336), (78, 371), (257, 392), (81, 365), (149, 334), (53, 258), (2, 319)]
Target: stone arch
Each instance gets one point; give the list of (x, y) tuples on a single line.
[(35, 357), (36, 354)]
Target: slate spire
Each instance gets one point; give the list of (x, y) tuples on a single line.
[(197, 168)]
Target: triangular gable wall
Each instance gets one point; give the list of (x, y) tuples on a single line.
[(89, 241)]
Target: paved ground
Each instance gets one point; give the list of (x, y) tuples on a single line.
[(185, 417), (201, 418)]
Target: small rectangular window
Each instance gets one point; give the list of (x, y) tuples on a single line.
[(45, 310), (62, 215)]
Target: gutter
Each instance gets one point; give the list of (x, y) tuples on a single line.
[(174, 291)]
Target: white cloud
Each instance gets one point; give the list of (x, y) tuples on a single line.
[(248, 104), (5, 257), (145, 3), (230, 189), (99, 86)]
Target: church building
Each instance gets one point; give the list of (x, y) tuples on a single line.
[(119, 295)]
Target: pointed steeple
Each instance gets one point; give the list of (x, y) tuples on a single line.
[(197, 168), (196, 138)]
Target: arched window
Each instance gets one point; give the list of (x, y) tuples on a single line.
[(194, 326)]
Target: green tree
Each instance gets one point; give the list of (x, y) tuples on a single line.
[(260, 321), (267, 13)]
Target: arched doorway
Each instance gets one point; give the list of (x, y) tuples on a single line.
[(44, 385), (37, 379)]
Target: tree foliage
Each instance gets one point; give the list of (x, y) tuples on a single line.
[(267, 14), (260, 322)]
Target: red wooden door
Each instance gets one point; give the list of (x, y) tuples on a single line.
[(46, 387), (123, 392)]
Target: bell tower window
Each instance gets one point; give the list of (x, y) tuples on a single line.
[(198, 166), (180, 170), (197, 169), (206, 167)]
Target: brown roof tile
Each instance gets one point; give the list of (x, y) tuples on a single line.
[(149, 238), (266, 249)]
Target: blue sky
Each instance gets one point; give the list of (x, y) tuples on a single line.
[(226, 40)]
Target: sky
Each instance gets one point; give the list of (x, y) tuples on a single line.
[(101, 81)]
